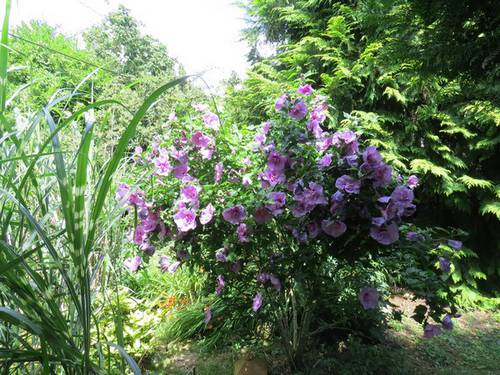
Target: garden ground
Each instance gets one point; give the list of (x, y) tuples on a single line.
[(473, 347)]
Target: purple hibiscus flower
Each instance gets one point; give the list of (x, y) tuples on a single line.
[(137, 199), (378, 221), (444, 265), (324, 143), (341, 138), (431, 330), (279, 200), (181, 170), (189, 194), (313, 229), (218, 171), (276, 162), (167, 266), (337, 202), (211, 120), (313, 195), (262, 277), (413, 181), (305, 89), (147, 248), (257, 302), (140, 235), (314, 127), (221, 255), (235, 214), (347, 141), (371, 159), (207, 153), (299, 110), (262, 215), (299, 234), (454, 244), (325, 161), (402, 197), (271, 178), (384, 200), (122, 193), (201, 140), (246, 181), (220, 285), (162, 166), (179, 155), (275, 282), (348, 184), (382, 175), (368, 298), (308, 199), (133, 263), (207, 214), (185, 220), (266, 126), (300, 209), (242, 232), (447, 323), (413, 236), (260, 140), (200, 107), (334, 228), (350, 150), (280, 102), (208, 315), (318, 114), (385, 234)]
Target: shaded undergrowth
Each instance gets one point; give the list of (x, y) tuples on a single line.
[(473, 347)]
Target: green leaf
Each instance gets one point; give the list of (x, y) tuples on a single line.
[(130, 361), (425, 166), (4, 53), (128, 134), (20, 320), (13, 263), (491, 207), (395, 94), (471, 182)]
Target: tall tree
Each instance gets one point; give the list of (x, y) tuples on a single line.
[(420, 78)]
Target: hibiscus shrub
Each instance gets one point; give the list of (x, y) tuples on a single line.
[(287, 219)]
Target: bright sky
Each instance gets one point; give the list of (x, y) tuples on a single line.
[(201, 34)]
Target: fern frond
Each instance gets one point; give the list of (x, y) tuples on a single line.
[(472, 182), (491, 207), (423, 166), (393, 93)]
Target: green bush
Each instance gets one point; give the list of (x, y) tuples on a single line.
[(419, 80)]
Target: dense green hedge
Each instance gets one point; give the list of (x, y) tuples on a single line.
[(420, 79)]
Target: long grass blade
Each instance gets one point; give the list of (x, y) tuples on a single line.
[(128, 134), (4, 53), (52, 251), (130, 361), (19, 319)]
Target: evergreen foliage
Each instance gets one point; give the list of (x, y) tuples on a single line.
[(419, 78)]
